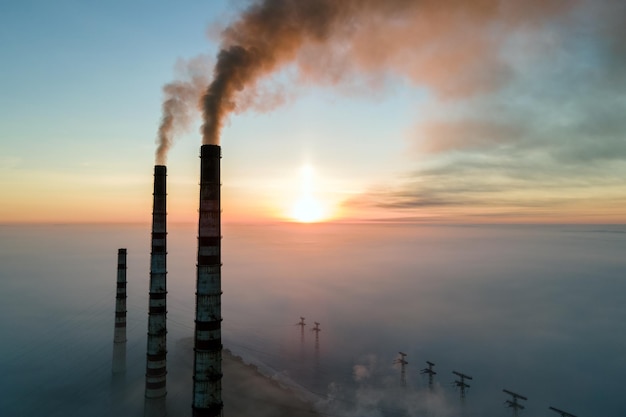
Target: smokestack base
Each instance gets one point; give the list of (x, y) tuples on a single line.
[(213, 411)]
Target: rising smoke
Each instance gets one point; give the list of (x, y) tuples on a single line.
[(181, 102), (451, 47)]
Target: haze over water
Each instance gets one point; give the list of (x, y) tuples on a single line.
[(534, 309)]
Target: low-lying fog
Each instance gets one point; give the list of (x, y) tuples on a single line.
[(537, 310)]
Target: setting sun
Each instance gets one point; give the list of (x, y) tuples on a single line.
[(307, 209)]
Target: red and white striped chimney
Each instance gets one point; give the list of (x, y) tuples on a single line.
[(207, 375), (156, 370)]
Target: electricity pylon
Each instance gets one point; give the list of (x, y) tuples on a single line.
[(561, 412), (514, 404), (301, 323), (430, 372), (317, 331), (403, 365), (461, 384)]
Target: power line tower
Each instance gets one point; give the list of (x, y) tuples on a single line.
[(403, 363), (317, 331), (301, 323), (316, 369), (561, 412), (430, 372), (461, 383), (514, 404)]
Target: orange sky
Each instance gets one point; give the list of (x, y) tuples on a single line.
[(445, 113)]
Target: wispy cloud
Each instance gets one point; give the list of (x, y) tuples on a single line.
[(553, 135)]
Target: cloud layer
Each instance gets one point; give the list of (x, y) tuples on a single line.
[(548, 142)]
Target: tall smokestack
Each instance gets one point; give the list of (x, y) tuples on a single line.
[(156, 370), (207, 369), (119, 337)]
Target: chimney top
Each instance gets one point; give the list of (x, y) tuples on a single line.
[(210, 151)]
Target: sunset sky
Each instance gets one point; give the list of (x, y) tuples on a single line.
[(452, 111)]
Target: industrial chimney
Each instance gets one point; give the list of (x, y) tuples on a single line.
[(119, 337), (156, 370), (207, 372)]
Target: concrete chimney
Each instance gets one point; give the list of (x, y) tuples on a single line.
[(207, 371), (119, 337), (156, 370)]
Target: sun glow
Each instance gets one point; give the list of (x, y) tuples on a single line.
[(307, 209)]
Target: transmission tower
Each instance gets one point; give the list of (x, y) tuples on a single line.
[(514, 404), (561, 412), (301, 323), (317, 331), (403, 363), (461, 383), (429, 371)]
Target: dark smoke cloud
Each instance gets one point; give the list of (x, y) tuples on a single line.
[(180, 105), (451, 47)]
